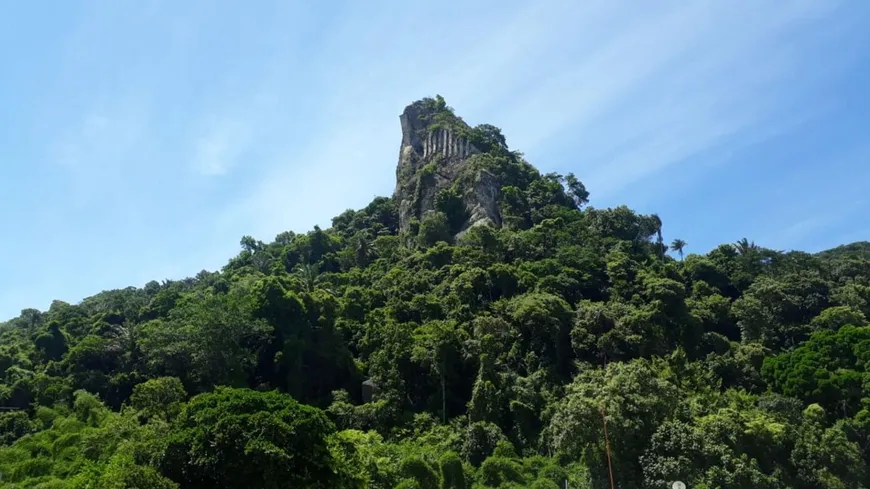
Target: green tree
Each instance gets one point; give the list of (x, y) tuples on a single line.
[(422, 473), (363, 250), (777, 311), (635, 400), (122, 472), (452, 472), (576, 190), (745, 247), (14, 425), (829, 369), (434, 228), (487, 397), (660, 242), (825, 457), (438, 344), (52, 341), (239, 438), (160, 397), (834, 318), (309, 278), (678, 245)]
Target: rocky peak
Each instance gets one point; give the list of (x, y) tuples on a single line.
[(436, 158)]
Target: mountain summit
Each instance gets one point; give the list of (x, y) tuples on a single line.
[(437, 170)]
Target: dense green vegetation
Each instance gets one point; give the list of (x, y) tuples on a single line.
[(360, 356)]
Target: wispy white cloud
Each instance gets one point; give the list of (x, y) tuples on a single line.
[(796, 231), (98, 149), (299, 105), (219, 149), (809, 227), (631, 92), (310, 184), (347, 154), (663, 85), (96, 141)]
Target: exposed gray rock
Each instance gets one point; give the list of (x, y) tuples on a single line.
[(433, 155), (482, 202), (370, 389)]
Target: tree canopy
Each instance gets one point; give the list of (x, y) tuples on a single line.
[(364, 356)]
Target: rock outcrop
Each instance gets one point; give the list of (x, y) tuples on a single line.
[(437, 155)]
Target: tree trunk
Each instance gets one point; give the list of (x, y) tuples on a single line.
[(443, 393)]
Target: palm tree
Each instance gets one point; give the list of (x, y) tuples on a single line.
[(438, 346), (745, 247), (124, 341), (678, 245), (660, 243), (363, 250), (309, 278)]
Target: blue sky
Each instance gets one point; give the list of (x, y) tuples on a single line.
[(141, 140)]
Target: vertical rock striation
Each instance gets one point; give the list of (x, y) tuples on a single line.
[(436, 155)]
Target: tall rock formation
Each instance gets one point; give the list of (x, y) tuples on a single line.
[(437, 157)]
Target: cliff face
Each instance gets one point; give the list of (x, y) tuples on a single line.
[(436, 155)]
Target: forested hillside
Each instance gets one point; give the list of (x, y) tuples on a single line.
[(454, 352)]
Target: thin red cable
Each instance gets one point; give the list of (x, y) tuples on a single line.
[(606, 439)]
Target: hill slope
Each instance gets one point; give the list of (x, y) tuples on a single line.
[(455, 335), (858, 250)]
